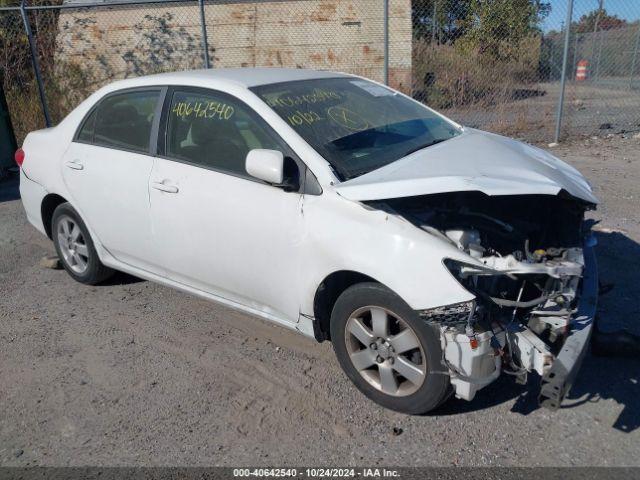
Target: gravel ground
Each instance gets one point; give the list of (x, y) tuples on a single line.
[(132, 373)]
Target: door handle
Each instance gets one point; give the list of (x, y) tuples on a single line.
[(74, 164), (164, 187)]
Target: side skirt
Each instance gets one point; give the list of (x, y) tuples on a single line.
[(303, 325)]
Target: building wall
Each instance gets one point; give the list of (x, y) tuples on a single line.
[(342, 35)]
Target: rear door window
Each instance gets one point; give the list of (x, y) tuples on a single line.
[(123, 121), (86, 132)]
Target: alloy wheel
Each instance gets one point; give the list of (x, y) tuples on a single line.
[(72, 245), (385, 350)]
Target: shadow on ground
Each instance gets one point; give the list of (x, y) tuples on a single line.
[(610, 377), (121, 278)]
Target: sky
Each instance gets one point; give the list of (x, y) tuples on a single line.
[(627, 9)]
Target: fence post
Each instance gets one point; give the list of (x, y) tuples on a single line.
[(596, 73), (563, 75), (434, 22), (36, 65), (575, 52), (385, 21), (595, 31), (633, 60), (205, 42)]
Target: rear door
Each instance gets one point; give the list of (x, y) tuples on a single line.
[(107, 170), (218, 229)]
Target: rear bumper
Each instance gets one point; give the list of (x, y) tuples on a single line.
[(557, 382)]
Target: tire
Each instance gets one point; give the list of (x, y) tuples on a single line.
[(417, 353), (75, 248)]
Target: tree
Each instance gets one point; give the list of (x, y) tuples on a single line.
[(481, 22), (598, 19), (496, 28), (439, 20)]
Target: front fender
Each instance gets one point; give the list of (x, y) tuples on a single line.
[(346, 235)]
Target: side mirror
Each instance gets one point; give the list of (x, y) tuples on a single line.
[(267, 165)]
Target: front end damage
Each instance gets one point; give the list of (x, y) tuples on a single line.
[(532, 271)]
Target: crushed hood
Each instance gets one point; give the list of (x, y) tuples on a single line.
[(472, 161)]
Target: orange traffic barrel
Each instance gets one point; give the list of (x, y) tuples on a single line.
[(581, 70)]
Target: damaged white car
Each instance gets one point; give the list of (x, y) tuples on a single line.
[(434, 257)]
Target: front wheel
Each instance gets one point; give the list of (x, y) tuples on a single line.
[(389, 353)]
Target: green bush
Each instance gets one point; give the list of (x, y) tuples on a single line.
[(456, 75)]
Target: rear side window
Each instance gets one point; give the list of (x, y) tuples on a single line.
[(122, 121), (86, 132)]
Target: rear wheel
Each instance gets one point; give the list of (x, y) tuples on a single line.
[(74, 247), (389, 353)]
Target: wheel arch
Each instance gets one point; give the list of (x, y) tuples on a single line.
[(49, 203), (326, 295)]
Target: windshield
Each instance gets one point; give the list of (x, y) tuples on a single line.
[(358, 126)]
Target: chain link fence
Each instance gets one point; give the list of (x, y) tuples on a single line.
[(497, 64), (604, 67), (490, 64)]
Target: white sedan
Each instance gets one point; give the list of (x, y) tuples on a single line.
[(433, 256)]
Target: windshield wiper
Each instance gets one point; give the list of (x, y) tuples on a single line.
[(415, 149)]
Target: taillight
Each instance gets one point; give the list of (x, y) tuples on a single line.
[(19, 156)]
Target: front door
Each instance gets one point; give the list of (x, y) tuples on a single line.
[(217, 229)]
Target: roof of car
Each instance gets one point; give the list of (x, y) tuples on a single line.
[(247, 77)]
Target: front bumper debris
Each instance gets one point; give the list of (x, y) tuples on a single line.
[(557, 381)]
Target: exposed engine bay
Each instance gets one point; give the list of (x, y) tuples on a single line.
[(525, 269)]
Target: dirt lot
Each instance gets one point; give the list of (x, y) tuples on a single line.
[(132, 373)]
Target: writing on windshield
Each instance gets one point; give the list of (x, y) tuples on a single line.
[(358, 126)]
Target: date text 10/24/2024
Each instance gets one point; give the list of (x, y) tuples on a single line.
[(317, 472)]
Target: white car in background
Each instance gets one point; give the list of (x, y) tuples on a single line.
[(433, 256)]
